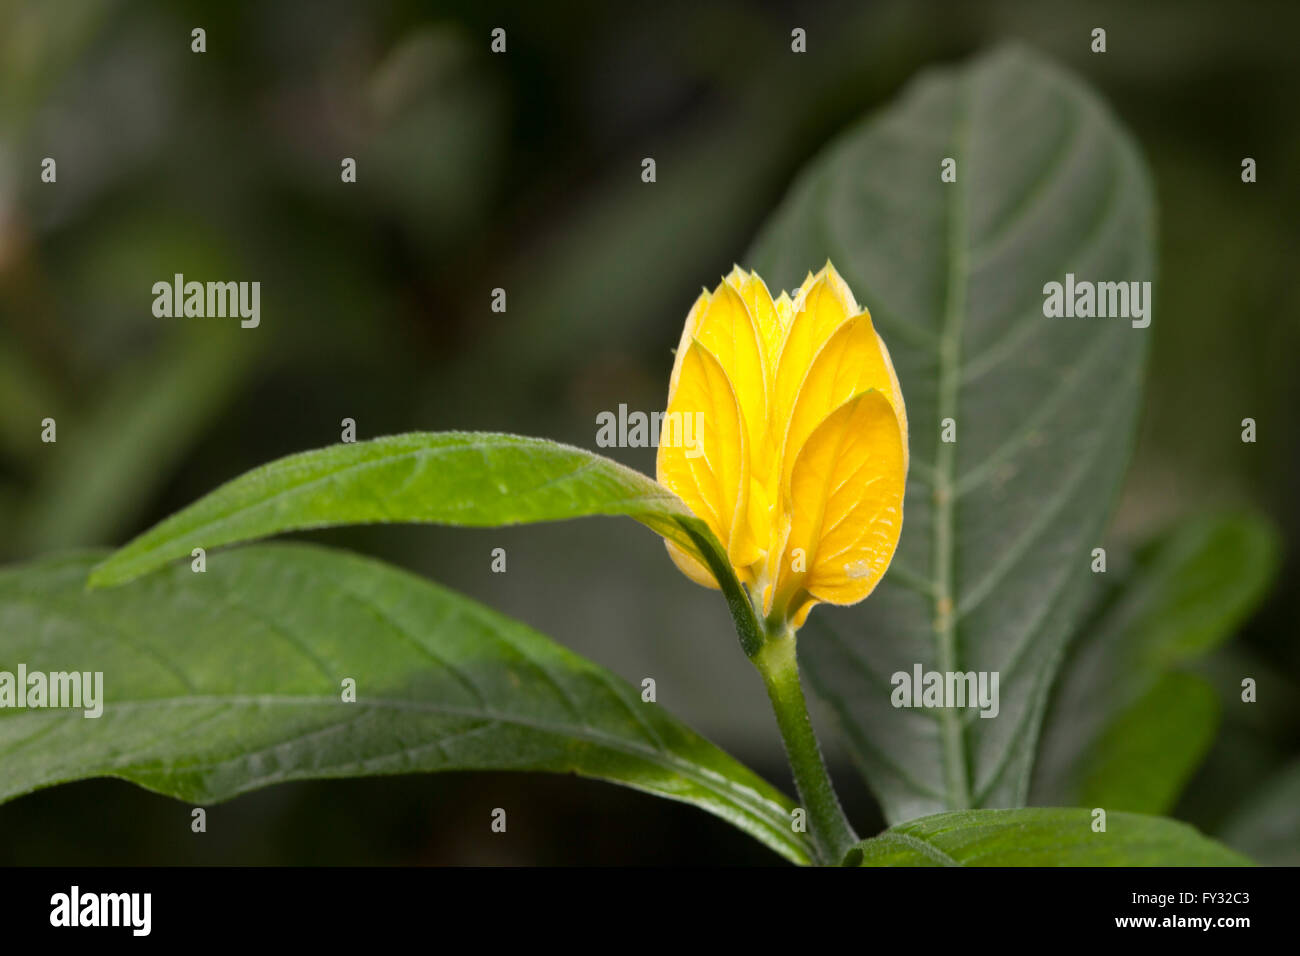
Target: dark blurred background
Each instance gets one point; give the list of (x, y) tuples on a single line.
[(522, 171)]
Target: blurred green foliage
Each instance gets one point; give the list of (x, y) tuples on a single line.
[(1131, 718), (522, 171)]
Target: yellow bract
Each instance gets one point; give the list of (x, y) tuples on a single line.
[(786, 433)]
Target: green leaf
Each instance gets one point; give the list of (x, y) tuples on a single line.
[(992, 567), (1148, 752), (1128, 725), (221, 682), (451, 478), (469, 479), (1040, 836)]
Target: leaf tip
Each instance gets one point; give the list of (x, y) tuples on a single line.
[(103, 575)]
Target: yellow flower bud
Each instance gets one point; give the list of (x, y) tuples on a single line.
[(786, 433)]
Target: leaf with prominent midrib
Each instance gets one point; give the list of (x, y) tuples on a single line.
[(221, 682), (468, 479), (473, 479), (1041, 837), (998, 525)]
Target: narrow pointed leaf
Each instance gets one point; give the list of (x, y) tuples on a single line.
[(451, 478)]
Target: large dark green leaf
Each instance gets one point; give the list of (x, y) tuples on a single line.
[(220, 682), (993, 562), (1129, 722), (1040, 836)]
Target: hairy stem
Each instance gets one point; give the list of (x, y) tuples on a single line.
[(831, 832)]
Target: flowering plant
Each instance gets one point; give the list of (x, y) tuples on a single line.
[(238, 669)]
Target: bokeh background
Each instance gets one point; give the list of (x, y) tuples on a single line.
[(522, 171)]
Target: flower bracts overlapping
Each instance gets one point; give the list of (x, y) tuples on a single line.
[(800, 457)]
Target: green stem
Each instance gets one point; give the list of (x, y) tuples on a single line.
[(831, 832)]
